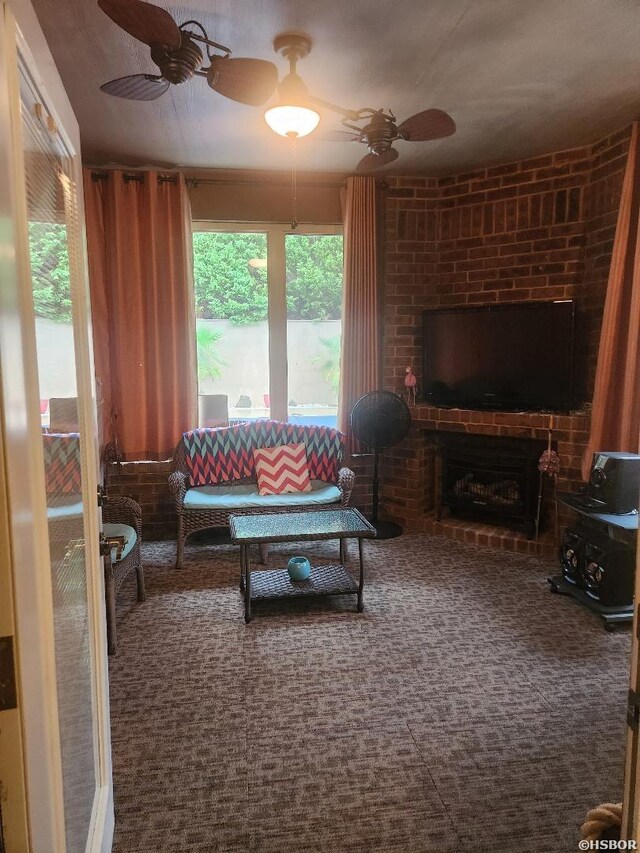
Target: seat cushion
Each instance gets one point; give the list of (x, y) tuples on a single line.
[(64, 508), (282, 469), (129, 534), (245, 496)]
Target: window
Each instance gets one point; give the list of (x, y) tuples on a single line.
[(55, 246), (49, 256), (230, 275), (268, 319)]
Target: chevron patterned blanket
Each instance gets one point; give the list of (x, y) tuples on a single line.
[(226, 453), (62, 463)]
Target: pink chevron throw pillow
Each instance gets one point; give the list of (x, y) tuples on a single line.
[(282, 469)]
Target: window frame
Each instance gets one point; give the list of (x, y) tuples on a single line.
[(276, 294)]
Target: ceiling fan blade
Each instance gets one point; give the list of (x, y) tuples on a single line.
[(430, 124), (337, 136), (143, 21), (137, 87), (371, 162), (249, 81)]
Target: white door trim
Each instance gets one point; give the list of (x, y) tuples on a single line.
[(25, 475), (15, 819), (25, 478)]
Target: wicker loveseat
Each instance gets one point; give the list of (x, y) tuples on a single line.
[(214, 474)]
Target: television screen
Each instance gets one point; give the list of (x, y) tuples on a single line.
[(514, 357)]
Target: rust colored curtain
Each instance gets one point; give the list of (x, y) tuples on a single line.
[(615, 423), (139, 247), (359, 363)]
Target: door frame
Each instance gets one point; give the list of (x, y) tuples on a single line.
[(36, 675), (14, 826)]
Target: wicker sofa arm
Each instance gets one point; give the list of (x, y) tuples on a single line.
[(346, 479), (178, 488), (122, 510)]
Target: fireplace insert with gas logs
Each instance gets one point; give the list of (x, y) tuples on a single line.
[(491, 478)]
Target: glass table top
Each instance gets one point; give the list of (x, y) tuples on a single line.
[(290, 526)]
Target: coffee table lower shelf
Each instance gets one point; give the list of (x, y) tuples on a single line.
[(324, 581), (308, 526)]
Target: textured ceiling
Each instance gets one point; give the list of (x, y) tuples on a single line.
[(519, 77)]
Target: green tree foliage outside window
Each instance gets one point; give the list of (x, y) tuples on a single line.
[(229, 287), (314, 276), (49, 257)]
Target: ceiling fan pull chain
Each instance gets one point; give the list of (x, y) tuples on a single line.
[(294, 182)]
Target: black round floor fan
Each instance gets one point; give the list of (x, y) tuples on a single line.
[(380, 420)]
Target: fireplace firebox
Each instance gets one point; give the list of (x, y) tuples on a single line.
[(490, 478)]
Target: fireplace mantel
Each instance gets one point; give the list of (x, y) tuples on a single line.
[(530, 424)]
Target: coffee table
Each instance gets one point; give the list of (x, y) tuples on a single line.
[(313, 526)]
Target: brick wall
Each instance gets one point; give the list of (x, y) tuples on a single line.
[(147, 483), (362, 495), (541, 228)]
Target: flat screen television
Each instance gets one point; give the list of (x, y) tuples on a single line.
[(515, 357)]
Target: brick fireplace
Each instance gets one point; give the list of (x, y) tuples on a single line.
[(542, 229), (411, 472)]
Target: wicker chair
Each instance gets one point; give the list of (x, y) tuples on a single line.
[(192, 520), (118, 511)]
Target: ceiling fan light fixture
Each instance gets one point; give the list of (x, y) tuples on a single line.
[(292, 120), (292, 116)]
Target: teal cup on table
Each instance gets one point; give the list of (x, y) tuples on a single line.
[(299, 568)]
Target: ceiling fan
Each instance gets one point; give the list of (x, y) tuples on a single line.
[(381, 130), (175, 51)]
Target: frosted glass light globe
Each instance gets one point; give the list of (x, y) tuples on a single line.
[(291, 120)]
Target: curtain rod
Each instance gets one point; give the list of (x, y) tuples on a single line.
[(194, 182), (134, 176)]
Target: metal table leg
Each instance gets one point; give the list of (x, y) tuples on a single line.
[(343, 551), (361, 584), (247, 584), (242, 568)]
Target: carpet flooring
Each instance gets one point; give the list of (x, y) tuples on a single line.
[(467, 709)]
